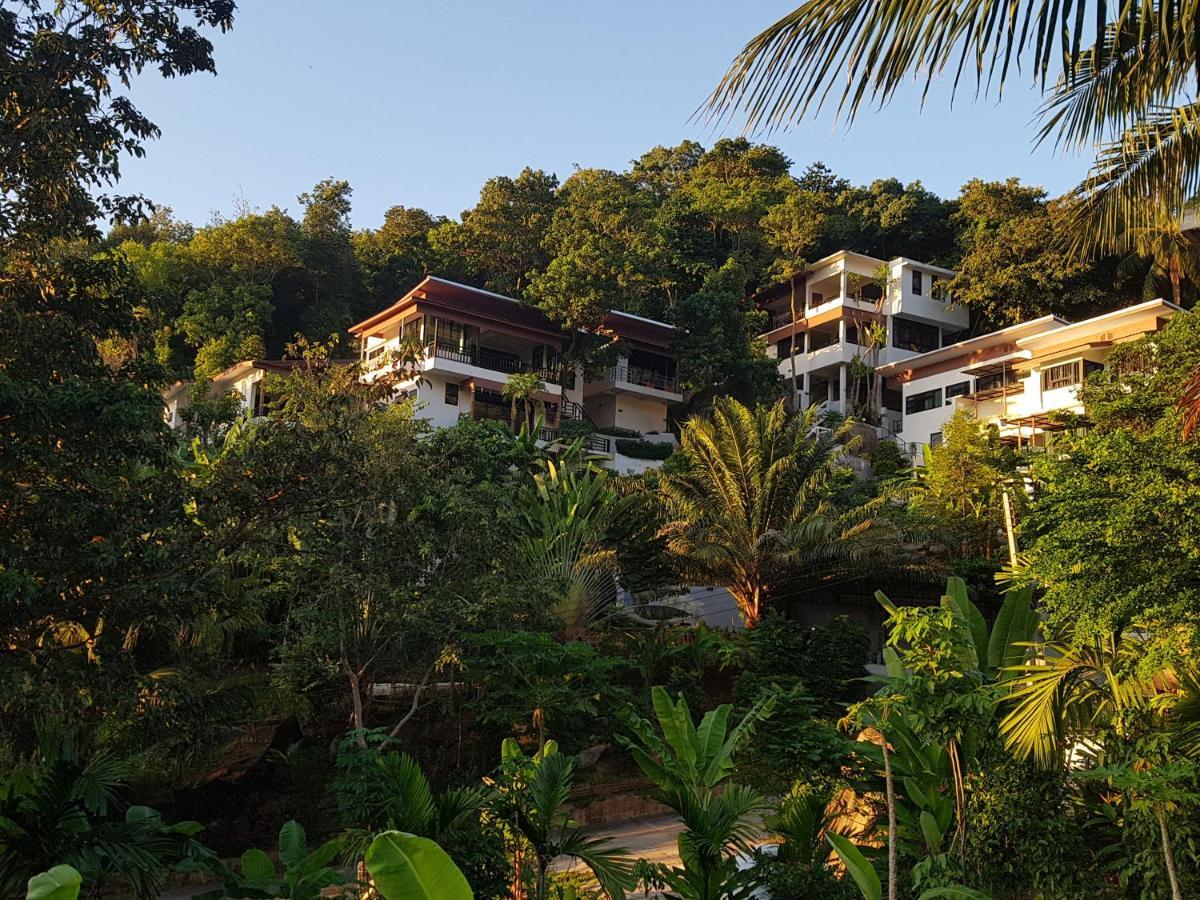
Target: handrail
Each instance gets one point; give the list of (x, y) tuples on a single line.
[(487, 359), (645, 378)]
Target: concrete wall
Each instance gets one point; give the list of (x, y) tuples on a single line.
[(431, 400), (919, 426), (627, 410)]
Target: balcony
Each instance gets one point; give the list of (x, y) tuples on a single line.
[(483, 358), (636, 377)]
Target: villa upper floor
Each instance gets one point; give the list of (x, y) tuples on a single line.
[(1023, 378), (838, 298), (473, 333)]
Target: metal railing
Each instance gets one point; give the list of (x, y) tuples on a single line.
[(487, 359), (645, 378), (778, 320)]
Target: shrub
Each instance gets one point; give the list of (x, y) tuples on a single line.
[(1020, 835), (617, 431), (572, 429), (799, 881), (888, 462), (640, 449)]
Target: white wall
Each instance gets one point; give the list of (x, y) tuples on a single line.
[(431, 401), (924, 306), (919, 426), (627, 410)]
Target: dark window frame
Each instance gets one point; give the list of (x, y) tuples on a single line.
[(917, 282), (923, 402), (1062, 375), (959, 388), (452, 393), (915, 336)]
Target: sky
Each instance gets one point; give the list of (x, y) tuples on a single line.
[(418, 103)]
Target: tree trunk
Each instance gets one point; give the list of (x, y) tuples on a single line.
[(890, 785), (792, 346), (356, 701), (749, 601), (1168, 854)]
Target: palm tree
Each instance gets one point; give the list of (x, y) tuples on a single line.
[(691, 766), (567, 516), (1165, 245), (1071, 689), (531, 797), (751, 509), (1113, 74)]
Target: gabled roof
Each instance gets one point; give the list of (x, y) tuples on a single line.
[(508, 311)]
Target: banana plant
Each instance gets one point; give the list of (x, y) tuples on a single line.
[(57, 883), (407, 867), (304, 874), (860, 870)]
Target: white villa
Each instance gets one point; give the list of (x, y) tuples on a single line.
[(1021, 378), (838, 297), (473, 341)]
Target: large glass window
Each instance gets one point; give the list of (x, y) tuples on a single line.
[(915, 336), (922, 402), (917, 286), (452, 335)]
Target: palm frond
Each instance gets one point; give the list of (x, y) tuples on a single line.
[(860, 51), (1152, 172)]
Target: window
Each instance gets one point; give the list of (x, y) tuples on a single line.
[(783, 349), (922, 402), (450, 334), (935, 439), (451, 394), (1089, 367), (916, 282), (915, 336), (816, 299), (958, 389), (1061, 376)]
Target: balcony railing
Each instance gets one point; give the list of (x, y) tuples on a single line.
[(778, 320), (645, 378), (487, 359)]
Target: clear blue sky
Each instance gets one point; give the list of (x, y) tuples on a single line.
[(417, 103)]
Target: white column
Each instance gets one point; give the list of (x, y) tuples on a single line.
[(844, 284), (843, 373), (842, 332)]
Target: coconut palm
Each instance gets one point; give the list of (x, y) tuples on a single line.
[(1113, 73), (1162, 242), (751, 508)]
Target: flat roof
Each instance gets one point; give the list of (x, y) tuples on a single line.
[(1107, 318), (980, 342)]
